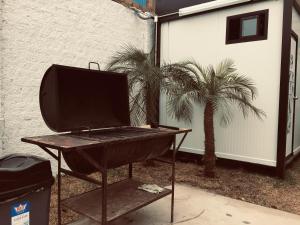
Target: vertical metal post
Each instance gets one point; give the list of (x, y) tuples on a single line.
[(59, 188), (130, 171), (104, 192), (173, 179)]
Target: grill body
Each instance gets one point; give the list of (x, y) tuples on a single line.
[(119, 154), (94, 105)]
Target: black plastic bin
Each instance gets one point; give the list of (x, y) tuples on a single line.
[(25, 190)]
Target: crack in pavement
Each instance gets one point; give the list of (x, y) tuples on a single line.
[(189, 219)]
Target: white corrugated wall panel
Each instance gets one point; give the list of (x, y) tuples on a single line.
[(202, 38), (296, 29)]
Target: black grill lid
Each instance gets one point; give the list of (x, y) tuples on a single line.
[(74, 99)]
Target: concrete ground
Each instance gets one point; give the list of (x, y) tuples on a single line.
[(194, 206)]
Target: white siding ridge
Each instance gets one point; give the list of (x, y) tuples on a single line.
[(265, 162), (1, 135), (297, 150), (209, 6)]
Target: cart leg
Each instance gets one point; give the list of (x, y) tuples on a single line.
[(130, 171), (59, 189), (173, 180), (104, 197)]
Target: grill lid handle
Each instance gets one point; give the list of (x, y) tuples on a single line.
[(90, 63)]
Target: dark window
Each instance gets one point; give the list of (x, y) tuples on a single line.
[(247, 27)]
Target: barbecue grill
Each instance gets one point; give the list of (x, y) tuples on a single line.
[(89, 110)]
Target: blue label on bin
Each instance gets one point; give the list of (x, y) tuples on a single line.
[(20, 213)]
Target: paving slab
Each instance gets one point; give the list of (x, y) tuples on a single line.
[(194, 206)]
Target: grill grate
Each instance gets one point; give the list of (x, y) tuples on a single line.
[(121, 133)]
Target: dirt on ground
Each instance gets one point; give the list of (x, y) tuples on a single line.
[(236, 183)]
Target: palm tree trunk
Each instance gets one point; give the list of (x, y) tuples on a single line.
[(151, 112), (148, 107), (149, 121), (209, 155)]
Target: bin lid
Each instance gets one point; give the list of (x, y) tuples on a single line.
[(18, 171), (73, 99)]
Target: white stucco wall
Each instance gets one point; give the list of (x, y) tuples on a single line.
[(296, 29), (202, 38), (1, 78), (39, 33)]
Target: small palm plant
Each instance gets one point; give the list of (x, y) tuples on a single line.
[(214, 88), (145, 80)]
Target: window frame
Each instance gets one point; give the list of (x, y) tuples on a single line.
[(246, 16)]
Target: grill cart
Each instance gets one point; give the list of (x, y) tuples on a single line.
[(90, 110)]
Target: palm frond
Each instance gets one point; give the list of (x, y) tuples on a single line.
[(239, 83), (145, 80), (180, 106), (224, 111), (137, 107), (221, 85), (184, 83), (129, 56), (225, 68), (245, 105), (183, 76)]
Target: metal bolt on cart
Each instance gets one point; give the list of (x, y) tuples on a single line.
[(90, 110)]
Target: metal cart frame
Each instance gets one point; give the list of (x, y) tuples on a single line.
[(103, 183)]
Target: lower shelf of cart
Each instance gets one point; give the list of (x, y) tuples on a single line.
[(122, 198)]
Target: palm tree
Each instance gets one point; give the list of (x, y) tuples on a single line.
[(145, 80), (214, 88)]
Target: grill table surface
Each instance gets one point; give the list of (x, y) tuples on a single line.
[(98, 138)]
